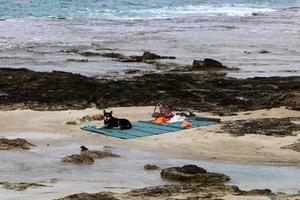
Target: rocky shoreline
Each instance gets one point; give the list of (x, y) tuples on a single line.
[(201, 91), (195, 183)]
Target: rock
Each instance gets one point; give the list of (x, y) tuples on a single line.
[(98, 117), (70, 50), (206, 64), (99, 154), (132, 71), (264, 51), (78, 60), (114, 55), (86, 196), (295, 147), (257, 192), (79, 159), (151, 167), (297, 108), (20, 186), (7, 144), (204, 92), (86, 118), (192, 174), (264, 126), (71, 123), (90, 54)]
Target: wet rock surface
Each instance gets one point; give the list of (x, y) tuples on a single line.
[(79, 159), (200, 91), (188, 191), (95, 154), (192, 174), (295, 147), (184, 191), (20, 186), (206, 64), (8, 144), (86, 196), (151, 167), (264, 126)]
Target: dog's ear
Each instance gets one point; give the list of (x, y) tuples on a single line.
[(111, 112), (104, 111)]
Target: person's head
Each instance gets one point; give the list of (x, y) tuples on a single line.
[(107, 115)]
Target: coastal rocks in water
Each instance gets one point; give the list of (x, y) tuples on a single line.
[(90, 53), (192, 174), (295, 147), (264, 126), (79, 159), (151, 167), (206, 64), (99, 154), (20, 186), (264, 51), (132, 71), (179, 191), (7, 144), (86, 196), (78, 60), (146, 57)]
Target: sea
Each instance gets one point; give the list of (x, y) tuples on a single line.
[(36, 34)]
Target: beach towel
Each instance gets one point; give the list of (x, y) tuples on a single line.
[(149, 128)]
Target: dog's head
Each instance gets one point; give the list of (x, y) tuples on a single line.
[(107, 115)]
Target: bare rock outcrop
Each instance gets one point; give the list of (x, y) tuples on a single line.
[(263, 126), (8, 144), (20, 186), (192, 174)]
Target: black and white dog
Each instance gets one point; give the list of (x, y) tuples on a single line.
[(112, 122)]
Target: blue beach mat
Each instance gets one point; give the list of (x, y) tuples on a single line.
[(148, 128)]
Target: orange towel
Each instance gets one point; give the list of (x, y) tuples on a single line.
[(160, 120), (186, 124)]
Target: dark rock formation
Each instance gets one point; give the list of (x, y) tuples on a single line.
[(71, 123), (79, 159), (204, 92), (86, 196), (132, 71), (151, 167), (99, 154), (78, 60), (264, 51), (178, 191), (192, 174), (20, 186), (295, 147), (7, 144), (207, 63), (264, 126)]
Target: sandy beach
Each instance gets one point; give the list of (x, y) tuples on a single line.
[(204, 143)]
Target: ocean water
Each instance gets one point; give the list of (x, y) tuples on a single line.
[(128, 9), (35, 33)]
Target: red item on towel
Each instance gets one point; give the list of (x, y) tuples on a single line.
[(186, 124)]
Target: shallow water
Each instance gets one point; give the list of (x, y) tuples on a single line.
[(42, 163), (36, 43)]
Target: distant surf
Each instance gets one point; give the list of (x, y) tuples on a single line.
[(136, 9)]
